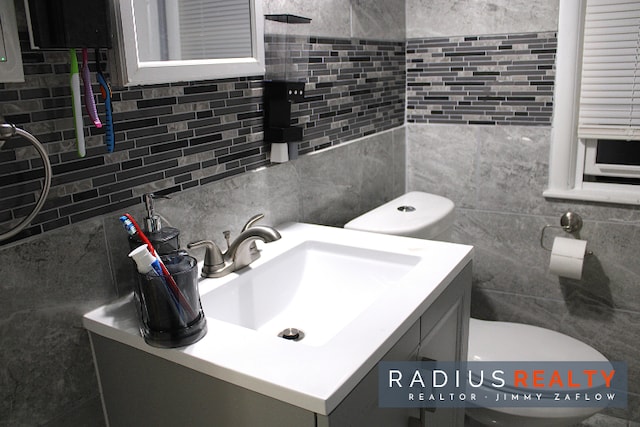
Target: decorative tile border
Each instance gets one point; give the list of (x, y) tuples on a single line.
[(177, 136), (490, 80)]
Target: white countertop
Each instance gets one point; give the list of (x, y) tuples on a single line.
[(315, 378)]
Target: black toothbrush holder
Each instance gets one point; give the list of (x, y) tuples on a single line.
[(172, 317)]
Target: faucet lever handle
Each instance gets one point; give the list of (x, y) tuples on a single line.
[(213, 257), (252, 221), (227, 237)]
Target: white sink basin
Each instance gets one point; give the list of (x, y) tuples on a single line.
[(316, 287), (353, 294)]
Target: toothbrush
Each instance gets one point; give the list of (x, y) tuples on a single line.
[(105, 89), (89, 100), (133, 228), (77, 105)]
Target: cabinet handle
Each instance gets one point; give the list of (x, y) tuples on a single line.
[(422, 410)]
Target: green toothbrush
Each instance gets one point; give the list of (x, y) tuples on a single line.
[(77, 103)]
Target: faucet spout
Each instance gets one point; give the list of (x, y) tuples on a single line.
[(242, 252)]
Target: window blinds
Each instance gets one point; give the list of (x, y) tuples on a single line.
[(215, 29), (610, 87)]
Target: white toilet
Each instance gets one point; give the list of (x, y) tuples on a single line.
[(428, 216)]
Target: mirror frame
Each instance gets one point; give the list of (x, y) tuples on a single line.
[(129, 71)]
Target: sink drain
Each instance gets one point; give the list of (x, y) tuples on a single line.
[(292, 334)]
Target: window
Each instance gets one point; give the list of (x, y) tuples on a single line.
[(595, 148), (612, 160), (170, 41), (183, 30)]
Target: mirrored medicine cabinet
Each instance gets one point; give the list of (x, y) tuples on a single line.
[(164, 41)]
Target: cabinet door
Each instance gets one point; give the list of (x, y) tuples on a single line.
[(445, 334), (141, 389), (360, 407)]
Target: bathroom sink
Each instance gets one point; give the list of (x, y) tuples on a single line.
[(352, 294), (316, 288)]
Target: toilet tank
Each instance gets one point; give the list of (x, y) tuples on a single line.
[(414, 214)]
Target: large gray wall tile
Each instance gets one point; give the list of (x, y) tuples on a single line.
[(434, 18), (47, 284), (331, 18), (370, 19), (378, 20), (442, 160)]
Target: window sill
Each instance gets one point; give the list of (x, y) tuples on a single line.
[(619, 195)]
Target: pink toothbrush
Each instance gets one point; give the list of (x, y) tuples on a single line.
[(89, 99)]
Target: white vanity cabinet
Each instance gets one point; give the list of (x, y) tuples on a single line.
[(141, 389)]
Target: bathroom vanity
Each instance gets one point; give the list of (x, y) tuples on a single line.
[(358, 298)]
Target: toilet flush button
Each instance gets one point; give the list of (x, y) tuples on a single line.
[(406, 208)]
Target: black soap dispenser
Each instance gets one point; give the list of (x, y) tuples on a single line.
[(165, 240), (284, 85)]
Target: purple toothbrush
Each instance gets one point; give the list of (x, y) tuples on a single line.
[(89, 99)]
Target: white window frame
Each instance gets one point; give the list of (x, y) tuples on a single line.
[(130, 70), (567, 154)]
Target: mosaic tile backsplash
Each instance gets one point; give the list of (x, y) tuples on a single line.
[(488, 80), (177, 136)]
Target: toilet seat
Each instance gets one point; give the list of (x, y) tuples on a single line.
[(512, 342), (506, 341)]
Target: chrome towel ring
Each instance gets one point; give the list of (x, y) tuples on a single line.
[(8, 131)]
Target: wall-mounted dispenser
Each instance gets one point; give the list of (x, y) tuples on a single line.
[(284, 85), (68, 24)]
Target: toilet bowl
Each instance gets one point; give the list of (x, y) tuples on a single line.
[(506, 342), (428, 216)]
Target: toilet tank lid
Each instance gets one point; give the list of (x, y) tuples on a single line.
[(404, 215)]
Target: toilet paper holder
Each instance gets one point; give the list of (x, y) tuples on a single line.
[(570, 222)]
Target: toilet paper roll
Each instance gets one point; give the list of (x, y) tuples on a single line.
[(567, 257)]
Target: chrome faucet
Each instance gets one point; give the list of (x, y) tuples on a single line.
[(240, 253)]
